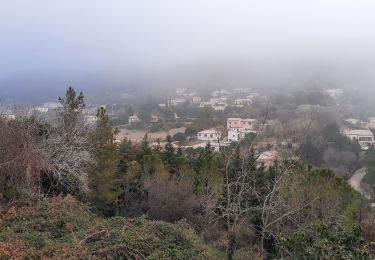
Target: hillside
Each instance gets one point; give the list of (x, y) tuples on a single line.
[(62, 228)]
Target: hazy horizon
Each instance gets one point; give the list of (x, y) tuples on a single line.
[(48, 45)]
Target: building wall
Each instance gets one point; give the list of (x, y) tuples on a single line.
[(233, 135), (214, 136)]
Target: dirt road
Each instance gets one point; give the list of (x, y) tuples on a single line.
[(356, 180)]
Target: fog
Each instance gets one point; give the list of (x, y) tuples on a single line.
[(90, 44)]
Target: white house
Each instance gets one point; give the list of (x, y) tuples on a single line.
[(236, 134), (354, 121), (254, 95), (205, 104), (364, 136), (154, 119), (334, 93), (41, 109), (176, 102), (267, 158), (209, 135), (236, 122), (52, 105), (242, 91), (240, 102), (133, 119), (181, 91), (197, 100), (221, 93), (239, 127), (218, 104)]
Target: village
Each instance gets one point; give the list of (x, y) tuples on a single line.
[(225, 122)]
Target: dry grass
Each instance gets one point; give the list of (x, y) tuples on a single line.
[(136, 136)]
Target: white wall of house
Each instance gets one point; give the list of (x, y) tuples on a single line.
[(197, 100), (364, 137), (235, 135), (241, 123), (133, 119), (209, 135)]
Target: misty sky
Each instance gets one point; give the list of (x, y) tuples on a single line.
[(120, 39)]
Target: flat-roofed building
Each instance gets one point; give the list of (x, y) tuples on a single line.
[(239, 127), (197, 100), (154, 119), (364, 137), (209, 135), (236, 122), (133, 119)]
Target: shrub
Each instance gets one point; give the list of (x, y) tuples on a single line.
[(64, 228), (179, 137)]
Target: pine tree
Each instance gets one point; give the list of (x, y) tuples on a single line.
[(145, 148), (105, 180), (169, 155), (72, 107)]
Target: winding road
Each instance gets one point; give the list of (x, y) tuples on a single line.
[(356, 180)]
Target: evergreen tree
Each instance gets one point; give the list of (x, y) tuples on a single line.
[(169, 155), (105, 179), (208, 172), (72, 107), (145, 148)]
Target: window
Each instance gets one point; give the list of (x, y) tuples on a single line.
[(365, 139), (205, 135), (211, 135)]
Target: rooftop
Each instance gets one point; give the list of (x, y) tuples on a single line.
[(362, 132), (209, 131)]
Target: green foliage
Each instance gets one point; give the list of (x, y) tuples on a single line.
[(208, 174), (191, 131), (104, 178), (171, 184), (205, 119), (145, 147), (369, 162), (331, 149), (330, 241), (180, 137), (64, 228), (330, 198), (153, 164), (73, 105)]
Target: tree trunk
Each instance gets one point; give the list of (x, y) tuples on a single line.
[(262, 244), (231, 245)]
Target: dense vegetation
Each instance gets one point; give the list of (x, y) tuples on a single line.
[(68, 190)]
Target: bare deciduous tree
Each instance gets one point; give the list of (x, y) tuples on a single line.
[(21, 160)]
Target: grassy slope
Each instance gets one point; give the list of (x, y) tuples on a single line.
[(63, 228), (369, 162)]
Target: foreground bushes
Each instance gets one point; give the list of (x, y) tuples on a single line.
[(63, 228)]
